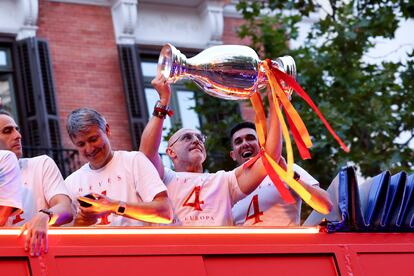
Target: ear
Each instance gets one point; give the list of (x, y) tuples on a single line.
[(107, 130), (232, 155), (171, 153)]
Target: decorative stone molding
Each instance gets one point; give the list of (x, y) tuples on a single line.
[(87, 2), (29, 11), (212, 14), (124, 16), (181, 26), (231, 11), (198, 24)]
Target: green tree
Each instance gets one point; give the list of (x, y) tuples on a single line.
[(368, 105), (217, 116)]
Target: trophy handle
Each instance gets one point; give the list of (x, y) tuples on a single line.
[(286, 64)]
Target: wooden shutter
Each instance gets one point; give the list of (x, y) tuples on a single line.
[(134, 91), (36, 95)]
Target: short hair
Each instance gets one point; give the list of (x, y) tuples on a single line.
[(241, 125), (79, 120), (5, 112)]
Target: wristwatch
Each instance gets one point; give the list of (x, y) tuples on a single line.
[(161, 111), (120, 210), (296, 176), (47, 212)]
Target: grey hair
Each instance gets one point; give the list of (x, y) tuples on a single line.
[(79, 120)]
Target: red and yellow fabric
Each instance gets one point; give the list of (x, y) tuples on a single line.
[(299, 132)]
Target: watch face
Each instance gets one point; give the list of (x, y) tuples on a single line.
[(121, 210)]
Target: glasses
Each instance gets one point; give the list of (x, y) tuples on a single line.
[(188, 137)]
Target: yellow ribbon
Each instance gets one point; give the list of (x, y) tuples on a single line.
[(286, 176), (260, 119)]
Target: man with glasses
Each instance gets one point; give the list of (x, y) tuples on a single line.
[(198, 198)]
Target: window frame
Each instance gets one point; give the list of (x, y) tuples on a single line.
[(150, 55)]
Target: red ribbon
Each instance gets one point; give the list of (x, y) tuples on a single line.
[(295, 86), (303, 150), (283, 191)]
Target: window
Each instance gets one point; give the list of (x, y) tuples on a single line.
[(7, 93), (27, 92), (139, 67)]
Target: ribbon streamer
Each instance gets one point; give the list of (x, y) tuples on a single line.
[(298, 89), (283, 191), (299, 131), (260, 121)]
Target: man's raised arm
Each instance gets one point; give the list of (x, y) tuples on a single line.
[(152, 134), (250, 178)]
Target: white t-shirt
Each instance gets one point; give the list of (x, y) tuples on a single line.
[(41, 180), (129, 177), (10, 181), (208, 205), (275, 212)]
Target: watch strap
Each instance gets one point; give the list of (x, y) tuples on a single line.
[(161, 111), (120, 210), (47, 212)]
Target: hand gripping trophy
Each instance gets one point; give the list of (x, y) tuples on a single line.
[(235, 72)]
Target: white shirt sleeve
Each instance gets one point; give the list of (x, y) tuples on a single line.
[(10, 181), (305, 177), (234, 188), (53, 183), (168, 175), (147, 180)]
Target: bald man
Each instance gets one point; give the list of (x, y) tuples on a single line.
[(200, 199)]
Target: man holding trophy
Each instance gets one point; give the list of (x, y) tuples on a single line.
[(201, 199), (231, 72)]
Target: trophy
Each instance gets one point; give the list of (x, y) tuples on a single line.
[(231, 72)]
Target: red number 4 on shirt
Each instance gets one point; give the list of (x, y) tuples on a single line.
[(196, 204), (256, 210)]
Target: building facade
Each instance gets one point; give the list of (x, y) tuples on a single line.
[(58, 55)]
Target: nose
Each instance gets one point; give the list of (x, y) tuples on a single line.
[(195, 139), (88, 148), (200, 140), (244, 143), (17, 135)]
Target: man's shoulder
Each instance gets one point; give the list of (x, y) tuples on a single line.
[(123, 154), (79, 172), (170, 174), (222, 176), (7, 155), (223, 173), (36, 162), (38, 159)]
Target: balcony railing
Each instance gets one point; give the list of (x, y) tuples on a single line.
[(67, 160)]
